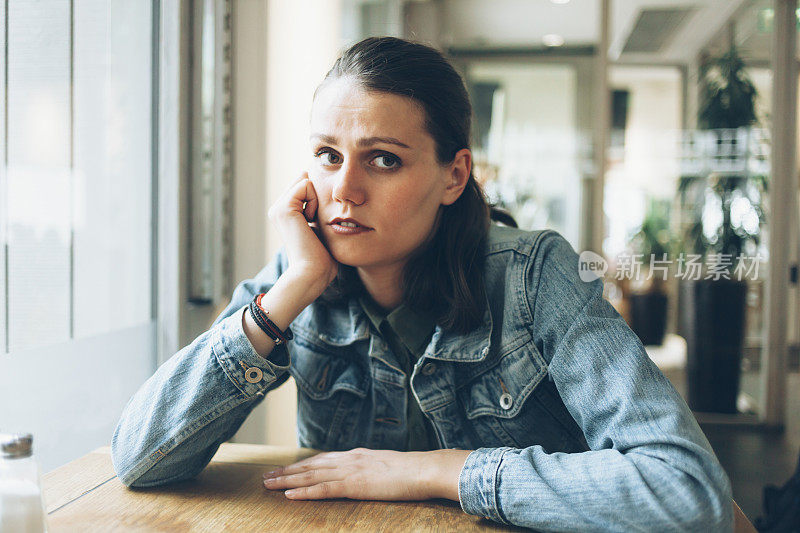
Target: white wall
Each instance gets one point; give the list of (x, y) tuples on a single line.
[(249, 71), (282, 50)]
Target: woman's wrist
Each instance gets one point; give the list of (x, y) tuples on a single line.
[(287, 298), (442, 471), (307, 285)]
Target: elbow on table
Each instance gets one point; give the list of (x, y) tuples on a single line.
[(137, 467), (126, 463), (124, 456), (154, 478), (166, 470)]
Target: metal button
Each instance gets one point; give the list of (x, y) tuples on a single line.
[(506, 401), (485, 351), (253, 374), (428, 369)]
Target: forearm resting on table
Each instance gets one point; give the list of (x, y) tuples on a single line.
[(284, 301)]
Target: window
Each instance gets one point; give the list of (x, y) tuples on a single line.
[(77, 172)]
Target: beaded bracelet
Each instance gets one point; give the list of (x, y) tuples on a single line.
[(260, 317)]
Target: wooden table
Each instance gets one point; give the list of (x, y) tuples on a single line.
[(228, 495), (85, 495)]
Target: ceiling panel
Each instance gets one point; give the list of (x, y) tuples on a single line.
[(524, 23)]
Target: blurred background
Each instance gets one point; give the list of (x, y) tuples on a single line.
[(143, 142)]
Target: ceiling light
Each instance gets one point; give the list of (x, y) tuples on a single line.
[(560, 1), (552, 39)]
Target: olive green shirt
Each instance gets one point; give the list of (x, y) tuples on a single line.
[(407, 333)]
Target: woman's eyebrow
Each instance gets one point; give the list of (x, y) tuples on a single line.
[(366, 141)]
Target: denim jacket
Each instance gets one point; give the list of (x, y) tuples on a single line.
[(572, 425)]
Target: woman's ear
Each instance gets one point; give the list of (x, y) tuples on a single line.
[(457, 176)]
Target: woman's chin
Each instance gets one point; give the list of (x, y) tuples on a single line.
[(359, 257), (345, 255), (345, 251)]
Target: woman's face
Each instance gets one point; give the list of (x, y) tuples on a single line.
[(374, 162)]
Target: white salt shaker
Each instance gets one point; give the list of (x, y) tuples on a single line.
[(21, 502)]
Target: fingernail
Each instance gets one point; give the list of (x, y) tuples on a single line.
[(290, 492), (270, 473)]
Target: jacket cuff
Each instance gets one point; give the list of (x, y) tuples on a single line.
[(477, 483), (251, 373)]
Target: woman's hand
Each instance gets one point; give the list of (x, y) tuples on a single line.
[(294, 215), (364, 474)]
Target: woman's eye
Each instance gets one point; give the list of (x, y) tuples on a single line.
[(387, 161), (328, 157)]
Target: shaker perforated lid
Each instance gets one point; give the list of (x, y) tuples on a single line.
[(16, 445)]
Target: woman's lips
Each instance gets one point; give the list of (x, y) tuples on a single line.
[(348, 226), (348, 230)]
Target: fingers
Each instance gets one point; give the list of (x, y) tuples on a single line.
[(296, 469), (303, 176), (321, 460), (320, 491), (312, 203), (295, 199), (297, 189), (303, 197), (294, 215), (304, 479), (312, 478)]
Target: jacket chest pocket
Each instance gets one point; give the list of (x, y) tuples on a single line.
[(331, 388), (515, 404)]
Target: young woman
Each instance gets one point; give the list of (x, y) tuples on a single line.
[(436, 355)]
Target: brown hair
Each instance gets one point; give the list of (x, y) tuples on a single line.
[(445, 275)]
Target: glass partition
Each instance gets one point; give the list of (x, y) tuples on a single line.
[(530, 151), (686, 201)]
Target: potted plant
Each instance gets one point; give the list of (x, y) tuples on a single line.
[(722, 217), (648, 299)]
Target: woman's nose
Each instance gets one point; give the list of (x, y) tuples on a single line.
[(349, 184)]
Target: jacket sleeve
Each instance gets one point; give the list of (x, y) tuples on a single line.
[(171, 428), (650, 467)]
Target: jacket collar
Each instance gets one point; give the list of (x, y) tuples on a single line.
[(333, 324), (340, 326)]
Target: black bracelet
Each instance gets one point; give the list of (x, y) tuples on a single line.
[(268, 326), (284, 335), (258, 318)]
